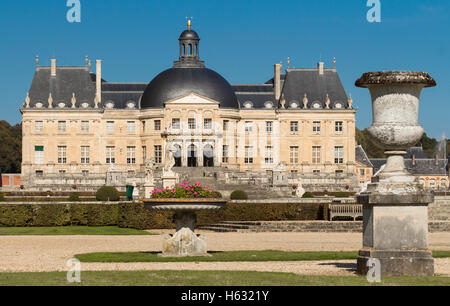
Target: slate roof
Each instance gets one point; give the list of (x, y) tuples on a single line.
[(362, 157), (316, 86), (68, 80), (294, 84), (417, 152), (422, 166)]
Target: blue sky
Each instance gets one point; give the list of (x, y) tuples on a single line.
[(137, 39)]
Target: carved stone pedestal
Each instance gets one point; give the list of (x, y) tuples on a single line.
[(395, 231)]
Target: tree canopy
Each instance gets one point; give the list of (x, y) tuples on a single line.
[(10, 147)]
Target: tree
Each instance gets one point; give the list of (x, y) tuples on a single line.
[(10, 147)]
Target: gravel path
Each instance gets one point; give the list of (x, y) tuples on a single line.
[(50, 253)]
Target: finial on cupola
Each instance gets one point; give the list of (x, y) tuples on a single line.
[(37, 60)]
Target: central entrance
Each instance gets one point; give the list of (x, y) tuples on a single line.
[(192, 156), (208, 156)]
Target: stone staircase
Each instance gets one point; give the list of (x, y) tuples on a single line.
[(304, 226), (215, 177), (285, 226)]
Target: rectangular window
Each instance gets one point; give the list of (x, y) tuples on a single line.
[(110, 126), (248, 155), (85, 152), (362, 172), (226, 124), (61, 126), (131, 155), (62, 172), (191, 123), (316, 155), (248, 126), (157, 125), (38, 126), (225, 154), (339, 171), (62, 155), (338, 155), (316, 127), (269, 127), (144, 154), (39, 173), (110, 155), (85, 172), (158, 154), (131, 126), (85, 126), (268, 158), (294, 155), (207, 124), (294, 127), (316, 172), (176, 124), (339, 127), (38, 155)]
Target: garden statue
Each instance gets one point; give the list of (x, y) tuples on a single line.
[(169, 178)]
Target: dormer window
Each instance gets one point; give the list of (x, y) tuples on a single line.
[(110, 105), (338, 105), (268, 105), (131, 105), (317, 105), (294, 104), (248, 105)]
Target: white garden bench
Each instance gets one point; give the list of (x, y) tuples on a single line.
[(340, 210)]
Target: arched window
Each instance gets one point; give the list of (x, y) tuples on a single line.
[(190, 49)]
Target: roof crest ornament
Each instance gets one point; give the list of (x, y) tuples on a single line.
[(327, 102), (350, 101), (305, 101), (74, 100), (50, 101), (27, 100)]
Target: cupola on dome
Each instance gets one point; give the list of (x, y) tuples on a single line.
[(188, 75)]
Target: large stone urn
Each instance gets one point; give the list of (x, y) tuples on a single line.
[(395, 226), (184, 242)]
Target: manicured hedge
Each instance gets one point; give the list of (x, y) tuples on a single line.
[(134, 215), (58, 215)]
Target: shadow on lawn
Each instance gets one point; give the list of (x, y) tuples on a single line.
[(350, 267)]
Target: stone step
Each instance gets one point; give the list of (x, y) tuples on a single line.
[(218, 229)]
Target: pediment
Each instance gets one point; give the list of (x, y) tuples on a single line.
[(190, 99)]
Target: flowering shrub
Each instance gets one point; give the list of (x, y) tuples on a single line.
[(185, 191)]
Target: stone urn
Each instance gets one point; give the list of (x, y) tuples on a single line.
[(395, 205), (184, 242), (395, 105)]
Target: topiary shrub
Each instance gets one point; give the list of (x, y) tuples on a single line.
[(239, 195), (308, 195), (107, 193), (218, 195), (74, 198)]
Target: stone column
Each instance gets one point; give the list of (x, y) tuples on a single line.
[(395, 226)]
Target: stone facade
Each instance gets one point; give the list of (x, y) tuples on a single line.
[(103, 132)]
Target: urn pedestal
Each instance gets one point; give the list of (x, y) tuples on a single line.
[(395, 205), (184, 242)]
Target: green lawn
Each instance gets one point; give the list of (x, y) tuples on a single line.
[(233, 256), (69, 230), (207, 278)]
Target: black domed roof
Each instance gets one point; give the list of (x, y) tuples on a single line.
[(177, 82), (189, 34)]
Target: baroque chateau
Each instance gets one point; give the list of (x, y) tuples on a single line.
[(296, 128)]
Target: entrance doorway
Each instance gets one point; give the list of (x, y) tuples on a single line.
[(192, 156), (177, 155), (208, 156)]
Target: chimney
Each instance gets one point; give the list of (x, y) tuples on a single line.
[(98, 72), (320, 67), (277, 81), (414, 159), (53, 67)]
